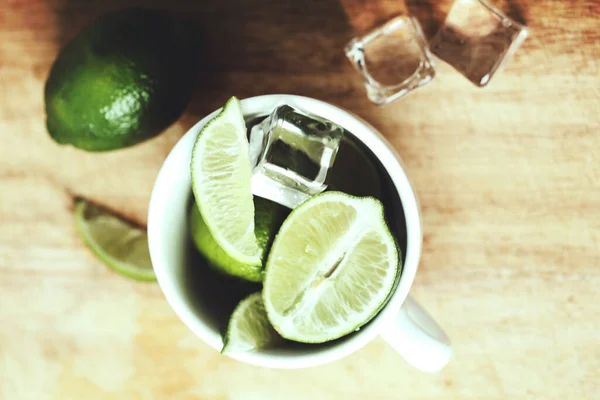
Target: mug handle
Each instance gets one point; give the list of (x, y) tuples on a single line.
[(417, 337)]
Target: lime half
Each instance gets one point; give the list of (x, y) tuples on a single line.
[(221, 175), (331, 268), (122, 246), (249, 328)]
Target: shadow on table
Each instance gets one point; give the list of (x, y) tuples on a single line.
[(432, 13), (247, 48)]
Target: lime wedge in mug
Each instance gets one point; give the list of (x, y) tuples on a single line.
[(249, 328), (221, 174)]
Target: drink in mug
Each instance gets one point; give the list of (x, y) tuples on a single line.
[(358, 162)]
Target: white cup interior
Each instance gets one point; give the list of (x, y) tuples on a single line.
[(186, 282)]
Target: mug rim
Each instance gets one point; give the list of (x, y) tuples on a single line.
[(388, 158)]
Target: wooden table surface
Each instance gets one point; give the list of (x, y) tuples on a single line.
[(508, 178)]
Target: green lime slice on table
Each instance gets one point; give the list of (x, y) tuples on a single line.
[(331, 268), (122, 246), (267, 221), (220, 170), (249, 328)]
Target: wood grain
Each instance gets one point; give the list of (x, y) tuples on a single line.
[(508, 178)]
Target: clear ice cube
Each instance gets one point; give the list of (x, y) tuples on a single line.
[(393, 59), (477, 39), (291, 153)]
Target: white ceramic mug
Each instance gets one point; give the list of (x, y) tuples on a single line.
[(401, 322)]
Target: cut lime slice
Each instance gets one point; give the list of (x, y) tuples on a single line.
[(221, 183), (331, 268), (249, 328), (122, 246)]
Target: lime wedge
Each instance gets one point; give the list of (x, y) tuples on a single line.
[(331, 268), (249, 328), (122, 246), (221, 184)]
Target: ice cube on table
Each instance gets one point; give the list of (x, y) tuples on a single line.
[(477, 39), (291, 153), (393, 59)]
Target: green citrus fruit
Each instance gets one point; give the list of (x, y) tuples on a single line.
[(120, 81)]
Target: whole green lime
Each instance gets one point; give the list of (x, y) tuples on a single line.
[(268, 217), (120, 81)]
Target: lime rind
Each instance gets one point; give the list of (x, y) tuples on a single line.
[(318, 306), (267, 220), (214, 253), (121, 234)]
